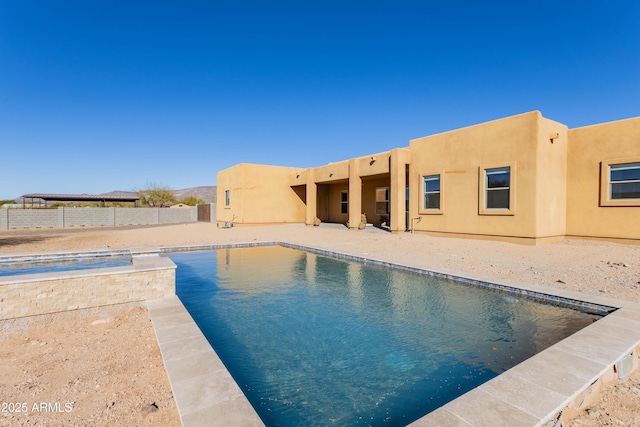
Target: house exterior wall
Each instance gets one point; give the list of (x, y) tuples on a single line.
[(460, 158), (551, 178), (589, 147), (555, 188), (259, 194)]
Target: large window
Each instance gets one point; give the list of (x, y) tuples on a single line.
[(382, 200), (344, 202), (620, 182), (624, 181), (497, 187), (431, 192)]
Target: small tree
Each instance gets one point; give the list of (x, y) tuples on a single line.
[(156, 196), (192, 201)]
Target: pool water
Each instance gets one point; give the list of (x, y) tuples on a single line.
[(71, 264), (314, 340)]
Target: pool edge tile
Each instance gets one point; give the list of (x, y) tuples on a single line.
[(479, 408), (183, 389)]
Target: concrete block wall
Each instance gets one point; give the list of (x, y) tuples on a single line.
[(31, 218), (149, 277), (136, 216), (87, 217), (171, 216), (214, 214), (63, 217)]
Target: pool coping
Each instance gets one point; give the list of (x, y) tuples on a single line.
[(206, 394)]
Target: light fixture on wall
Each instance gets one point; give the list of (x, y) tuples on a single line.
[(372, 161), (330, 174), (554, 135)]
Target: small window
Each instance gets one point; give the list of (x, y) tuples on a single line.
[(497, 187), (624, 181), (382, 200), (227, 198), (344, 202), (431, 192)]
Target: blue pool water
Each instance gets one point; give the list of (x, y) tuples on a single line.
[(313, 340), (71, 264)]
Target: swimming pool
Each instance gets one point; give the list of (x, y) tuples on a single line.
[(316, 340)]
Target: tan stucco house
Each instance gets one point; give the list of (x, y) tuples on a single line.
[(523, 178)]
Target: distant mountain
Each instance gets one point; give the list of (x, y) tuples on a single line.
[(207, 193), (118, 193)]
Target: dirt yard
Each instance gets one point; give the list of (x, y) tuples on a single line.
[(90, 368), (95, 367)]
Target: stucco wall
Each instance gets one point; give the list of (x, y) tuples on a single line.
[(459, 157), (259, 194), (28, 295), (332, 172), (588, 147), (551, 178)]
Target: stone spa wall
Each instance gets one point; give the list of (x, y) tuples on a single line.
[(148, 277)]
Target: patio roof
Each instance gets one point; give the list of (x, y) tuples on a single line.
[(82, 197)]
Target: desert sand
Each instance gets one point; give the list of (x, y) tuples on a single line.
[(108, 365)]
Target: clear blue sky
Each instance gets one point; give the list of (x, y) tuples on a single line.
[(103, 95)]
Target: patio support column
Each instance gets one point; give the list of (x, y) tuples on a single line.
[(312, 197), (355, 194), (397, 189)]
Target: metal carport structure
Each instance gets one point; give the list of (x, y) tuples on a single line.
[(102, 198)]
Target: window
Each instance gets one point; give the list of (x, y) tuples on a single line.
[(382, 200), (624, 181), (406, 199), (227, 198), (620, 182), (497, 187), (344, 202), (431, 192)]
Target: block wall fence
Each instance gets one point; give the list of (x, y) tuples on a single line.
[(66, 217)]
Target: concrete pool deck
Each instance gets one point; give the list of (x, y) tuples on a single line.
[(204, 391), (532, 393)]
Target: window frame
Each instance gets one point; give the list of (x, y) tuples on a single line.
[(423, 210), (483, 189), (344, 203), (227, 198), (606, 183)]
